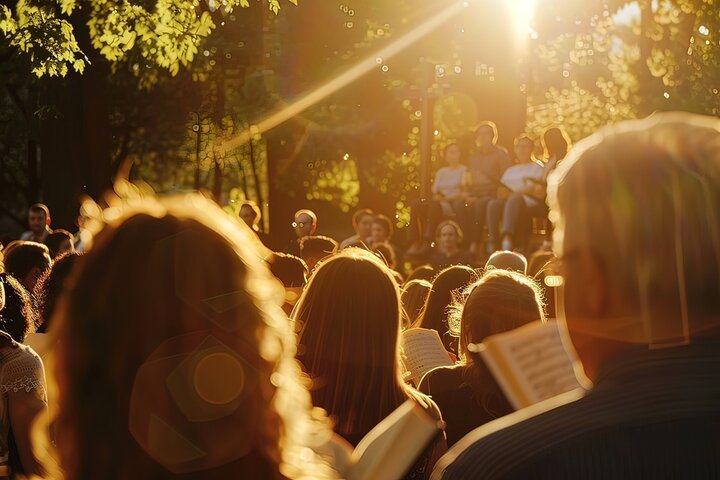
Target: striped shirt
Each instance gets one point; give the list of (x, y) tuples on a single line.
[(651, 414)]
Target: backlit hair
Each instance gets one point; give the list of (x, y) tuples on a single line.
[(361, 213), (487, 124), (413, 296), (446, 287), (40, 207), (644, 197), (349, 340), (170, 285), (500, 301)]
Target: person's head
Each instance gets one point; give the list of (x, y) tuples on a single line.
[(635, 215), (171, 338), (49, 287), (448, 235), (413, 297), (446, 287), (381, 229), (26, 261), (423, 272), (304, 223), (507, 260), (289, 269), (524, 148), (452, 154), (486, 134), (500, 301), (386, 253), (38, 218), (250, 214), (315, 248), (17, 317), (348, 339), (362, 221), (555, 142), (58, 242)]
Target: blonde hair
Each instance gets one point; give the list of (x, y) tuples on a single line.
[(170, 279)]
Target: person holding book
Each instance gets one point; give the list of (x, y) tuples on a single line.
[(467, 393), (348, 343), (635, 210), (446, 287), (521, 197), (174, 359)]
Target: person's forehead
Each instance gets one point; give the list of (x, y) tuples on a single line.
[(366, 218), (484, 131), (38, 213), (303, 217)]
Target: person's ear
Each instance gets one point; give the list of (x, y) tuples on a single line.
[(47, 220)]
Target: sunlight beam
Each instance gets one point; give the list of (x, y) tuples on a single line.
[(348, 76)]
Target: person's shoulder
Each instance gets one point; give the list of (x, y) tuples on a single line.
[(440, 378), (490, 450), (500, 150)]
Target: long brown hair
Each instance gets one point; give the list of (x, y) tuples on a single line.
[(500, 301), (348, 320), (169, 335)]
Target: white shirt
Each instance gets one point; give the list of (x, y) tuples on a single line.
[(448, 181), (514, 178)]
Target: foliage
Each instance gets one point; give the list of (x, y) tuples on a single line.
[(165, 33)]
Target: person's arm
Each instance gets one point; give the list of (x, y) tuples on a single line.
[(25, 408)]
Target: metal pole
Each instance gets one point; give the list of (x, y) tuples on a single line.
[(426, 125)]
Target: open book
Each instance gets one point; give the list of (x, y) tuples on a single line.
[(530, 363), (390, 449), (422, 350)]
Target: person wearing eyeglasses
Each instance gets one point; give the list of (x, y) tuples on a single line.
[(305, 224), (636, 229)]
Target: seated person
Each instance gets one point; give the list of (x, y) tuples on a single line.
[(304, 224), (348, 343), (58, 242), (362, 224), (445, 288), (27, 261), (485, 167), (292, 272), (425, 213), (314, 248), (174, 360), (448, 237), (467, 393), (250, 214), (524, 197), (635, 210)]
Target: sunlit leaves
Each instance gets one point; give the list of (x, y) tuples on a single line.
[(165, 33), (48, 40)]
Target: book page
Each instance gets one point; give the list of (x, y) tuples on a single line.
[(422, 350), (530, 363), (393, 446)]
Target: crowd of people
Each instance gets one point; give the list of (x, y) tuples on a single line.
[(175, 344)]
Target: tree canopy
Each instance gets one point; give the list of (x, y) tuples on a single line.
[(164, 33)]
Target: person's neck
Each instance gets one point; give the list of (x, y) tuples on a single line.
[(451, 250)]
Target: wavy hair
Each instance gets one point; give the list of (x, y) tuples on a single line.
[(174, 355)]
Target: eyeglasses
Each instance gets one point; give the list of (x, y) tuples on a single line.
[(298, 224)]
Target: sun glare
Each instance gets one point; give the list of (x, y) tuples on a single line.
[(523, 12), (348, 76)]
